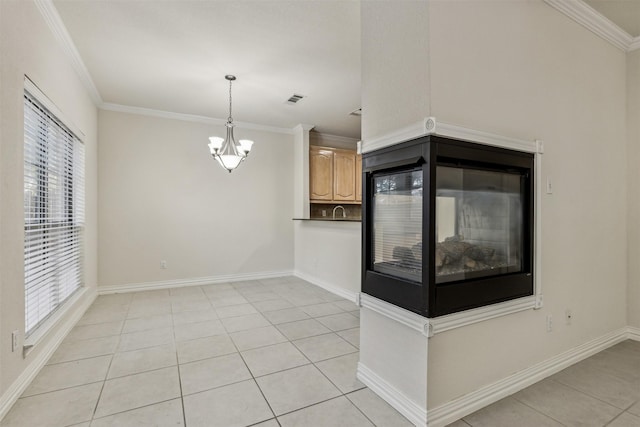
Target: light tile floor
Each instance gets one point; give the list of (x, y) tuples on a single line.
[(269, 353), (603, 390)]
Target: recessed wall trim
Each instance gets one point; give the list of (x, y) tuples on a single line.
[(432, 126), (430, 327), (469, 317), (401, 315)]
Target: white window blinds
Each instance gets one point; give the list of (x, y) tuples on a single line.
[(53, 212), (397, 224)]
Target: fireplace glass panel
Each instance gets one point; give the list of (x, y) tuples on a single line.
[(479, 224), (397, 224)]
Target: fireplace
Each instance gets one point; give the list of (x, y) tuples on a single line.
[(447, 225)]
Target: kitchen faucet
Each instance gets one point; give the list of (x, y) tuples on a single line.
[(344, 213)]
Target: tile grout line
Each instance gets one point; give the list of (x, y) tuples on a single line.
[(175, 343), (535, 409), (358, 408), (132, 409), (625, 411), (312, 363), (304, 355), (340, 390), (253, 378), (95, 408), (585, 393)]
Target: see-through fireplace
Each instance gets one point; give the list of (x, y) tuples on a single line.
[(447, 225)]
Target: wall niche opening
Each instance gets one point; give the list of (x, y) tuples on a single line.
[(447, 225)]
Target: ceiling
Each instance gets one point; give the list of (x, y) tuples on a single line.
[(624, 13), (173, 56)]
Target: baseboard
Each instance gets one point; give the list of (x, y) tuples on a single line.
[(467, 404), (198, 281), (633, 333), (407, 407), (341, 292), (21, 383)]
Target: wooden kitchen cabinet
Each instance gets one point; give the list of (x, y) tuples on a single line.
[(344, 176), (334, 175), (358, 178), (320, 174)]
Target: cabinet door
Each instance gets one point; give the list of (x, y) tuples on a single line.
[(320, 174), (344, 177), (358, 178)]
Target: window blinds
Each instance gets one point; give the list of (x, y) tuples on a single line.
[(54, 212), (397, 224)]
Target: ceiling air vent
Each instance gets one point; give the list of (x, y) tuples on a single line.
[(357, 112), (294, 98)]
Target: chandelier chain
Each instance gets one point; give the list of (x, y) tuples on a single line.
[(229, 118)]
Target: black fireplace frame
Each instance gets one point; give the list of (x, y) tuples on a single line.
[(428, 298)]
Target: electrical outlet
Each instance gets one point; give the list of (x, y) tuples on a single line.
[(14, 340), (549, 323), (163, 265), (568, 316)]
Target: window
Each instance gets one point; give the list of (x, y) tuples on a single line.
[(53, 212)]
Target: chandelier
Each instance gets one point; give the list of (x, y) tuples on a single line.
[(227, 151)]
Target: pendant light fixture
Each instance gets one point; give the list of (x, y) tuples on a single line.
[(227, 151)]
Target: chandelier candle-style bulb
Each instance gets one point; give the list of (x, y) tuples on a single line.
[(227, 151)]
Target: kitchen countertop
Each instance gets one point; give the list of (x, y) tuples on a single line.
[(329, 219)]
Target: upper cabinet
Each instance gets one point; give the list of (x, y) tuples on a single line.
[(334, 175), (358, 178), (344, 175), (320, 174)]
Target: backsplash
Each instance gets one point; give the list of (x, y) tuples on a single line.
[(325, 211)]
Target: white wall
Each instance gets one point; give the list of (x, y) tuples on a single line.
[(301, 172), (328, 254), (523, 69), (163, 197), (633, 179), (28, 47), (519, 69), (394, 65)]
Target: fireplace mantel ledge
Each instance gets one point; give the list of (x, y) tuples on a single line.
[(430, 327)]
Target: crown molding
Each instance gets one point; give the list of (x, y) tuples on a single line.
[(303, 127), (431, 126), (189, 118), (52, 18), (337, 138), (594, 21), (635, 45)]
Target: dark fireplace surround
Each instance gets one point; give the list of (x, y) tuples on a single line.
[(447, 225)]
